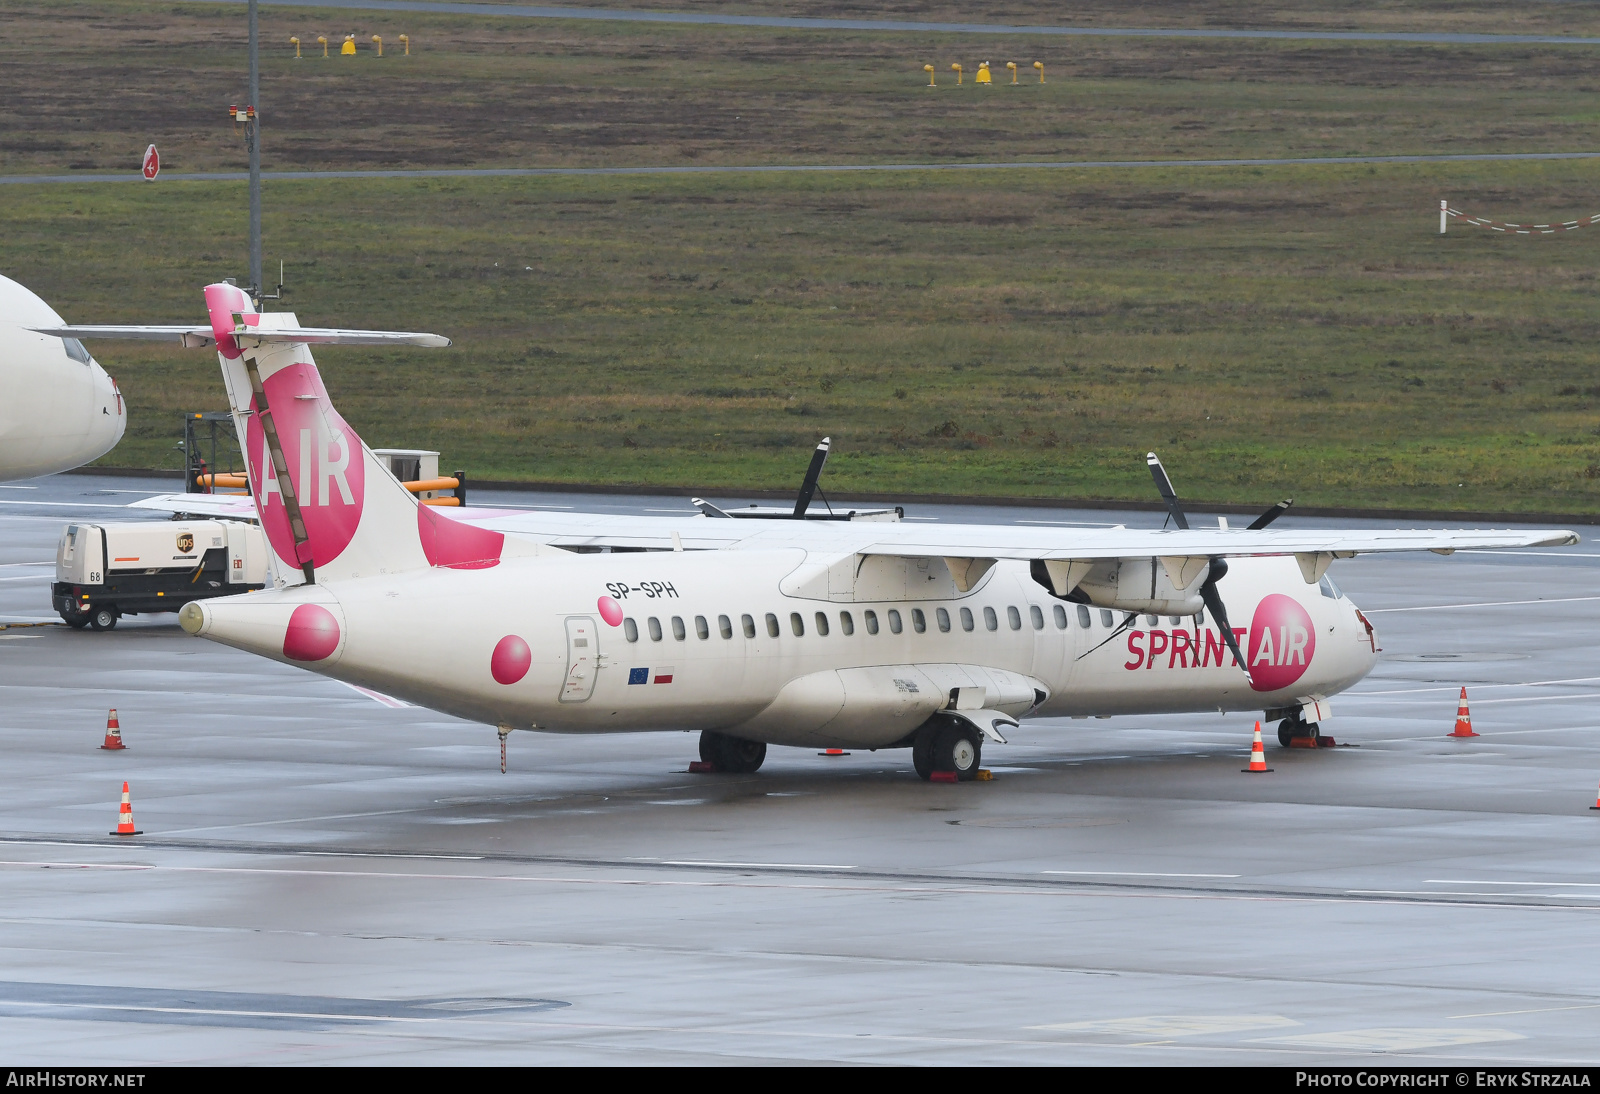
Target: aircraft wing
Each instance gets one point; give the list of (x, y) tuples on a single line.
[(194, 337), (994, 541), (1000, 541)]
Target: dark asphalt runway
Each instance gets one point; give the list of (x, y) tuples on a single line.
[(327, 879)]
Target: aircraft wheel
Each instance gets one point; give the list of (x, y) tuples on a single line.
[(102, 619), (959, 748), (922, 746), (738, 756), (1286, 731), (708, 747)]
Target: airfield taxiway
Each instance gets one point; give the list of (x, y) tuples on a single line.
[(323, 878)]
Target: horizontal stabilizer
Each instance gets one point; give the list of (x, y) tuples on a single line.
[(196, 337)]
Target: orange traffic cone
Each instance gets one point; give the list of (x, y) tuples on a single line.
[(1596, 805), (1258, 758), (125, 817), (113, 732), (1463, 719)]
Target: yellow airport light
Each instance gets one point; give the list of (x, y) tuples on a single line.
[(379, 40), (1040, 66), (957, 70), (405, 40), (296, 42), (983, 74), (349, 47), (1012, 65), (323, 39), (929, 70)]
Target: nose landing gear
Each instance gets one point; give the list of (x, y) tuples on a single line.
[(1297, 733)]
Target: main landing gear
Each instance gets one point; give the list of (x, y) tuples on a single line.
[(947, 744), (733, 755), (1290, 728)]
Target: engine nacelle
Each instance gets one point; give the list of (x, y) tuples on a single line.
[(1141, 585)]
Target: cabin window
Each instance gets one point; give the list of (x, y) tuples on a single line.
[(701, 627), (1152, 620), (1060, 614), (1174, 620), (872, 621), (677, 628), (725, 626), (944, 619), (966, 619), (76, 351), (655, 628), (749, 625), (772, 625), (1013, 617), (1328, 588), (846, 623), (1200, 618), (919, 622), (1083, 616), (991, 620), (797, 625), (630, 630), (822, 623), (1105, 618), (1037, 616), (894, 621)]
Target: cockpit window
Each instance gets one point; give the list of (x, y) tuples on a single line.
[(1329, 589), (76, 351)]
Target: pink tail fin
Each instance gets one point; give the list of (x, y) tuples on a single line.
[(330, 508)]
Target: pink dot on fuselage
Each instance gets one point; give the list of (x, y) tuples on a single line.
[(312, 634), (510, 660), (610, 611)]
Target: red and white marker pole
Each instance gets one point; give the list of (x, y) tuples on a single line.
[(152, 163)]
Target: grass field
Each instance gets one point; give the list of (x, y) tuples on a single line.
[(1272, 332)]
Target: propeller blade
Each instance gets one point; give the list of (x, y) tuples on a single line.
[(1213, 601), (1270, 515), (813, 473), (1168, 494)]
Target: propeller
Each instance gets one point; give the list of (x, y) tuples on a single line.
[(1213, 602), (1219, 566), (1168, 494), (813, 473), (1270, 515)]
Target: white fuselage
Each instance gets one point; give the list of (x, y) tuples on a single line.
[(59, 408), (868, 678)]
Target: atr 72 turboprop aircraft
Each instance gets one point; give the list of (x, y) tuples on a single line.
[(853, 634), (58, 409)]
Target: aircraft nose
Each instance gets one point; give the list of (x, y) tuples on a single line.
[(110, 416)]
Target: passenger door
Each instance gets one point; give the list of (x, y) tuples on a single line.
[(583, 659)]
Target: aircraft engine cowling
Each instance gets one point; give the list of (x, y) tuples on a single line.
[(1140, 585)]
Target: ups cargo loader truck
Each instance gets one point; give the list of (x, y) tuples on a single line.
[(106, 571)]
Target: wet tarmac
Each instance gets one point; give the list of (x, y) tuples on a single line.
[(326, 879)]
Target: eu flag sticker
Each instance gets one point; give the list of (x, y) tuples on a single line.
[(638, 676)]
